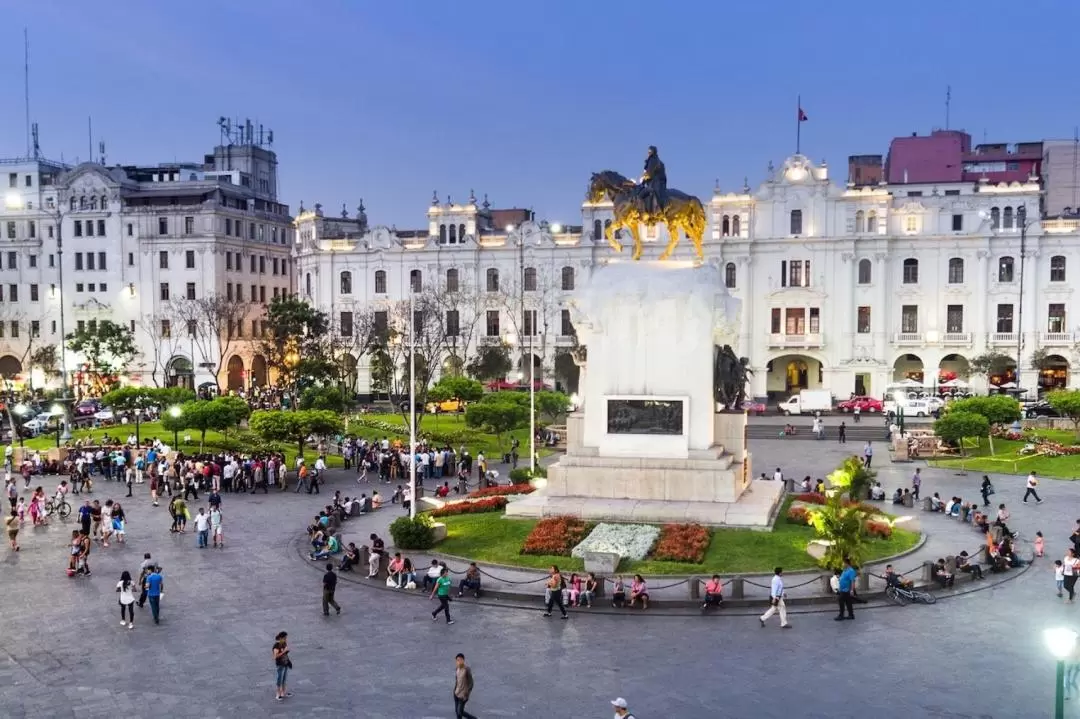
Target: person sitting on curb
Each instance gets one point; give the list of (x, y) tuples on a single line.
[(333, 546), (351, 558), (892, 579), (714, 593), (589, 593), (471, 581), (942, 575), (639, 590), (963, 563), (618, 593), (433, 573), (394, 570)]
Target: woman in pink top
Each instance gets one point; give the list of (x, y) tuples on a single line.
[(714, 593), (575, 590), (639, 590)]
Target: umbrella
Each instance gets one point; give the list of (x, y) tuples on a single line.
[(910, 383), (1007, 385)]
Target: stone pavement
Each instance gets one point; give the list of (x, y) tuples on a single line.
[(63, 654)]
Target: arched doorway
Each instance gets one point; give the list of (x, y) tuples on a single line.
[(1053, 373), (1003, 373), (789, 374), (523, 369), (953, 367), (347, 368), (10, 366), (258, 371), (453, 366), (179, 373), (235, 377), (567, 373), (910, 367)]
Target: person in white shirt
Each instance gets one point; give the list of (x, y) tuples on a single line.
[(1032, 483), (776, 600), (778, 475), (126, 588), (215, 528), (202, 527)]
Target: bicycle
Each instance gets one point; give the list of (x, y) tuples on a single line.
[(58, 506), (902, 595)]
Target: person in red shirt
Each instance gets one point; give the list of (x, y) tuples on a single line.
[(714, 593)]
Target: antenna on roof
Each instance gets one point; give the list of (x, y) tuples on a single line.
[(948, 102), (101, 151), (26, 83), (36, 146), (90, 137)]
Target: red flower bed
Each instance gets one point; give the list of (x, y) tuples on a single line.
[(490, 504), (556, 535), (878, 530), (500, 491), (682, 543), (798, 515)]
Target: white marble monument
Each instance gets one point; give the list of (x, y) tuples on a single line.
[(647, 443)]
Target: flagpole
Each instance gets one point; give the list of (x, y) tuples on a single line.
[(798, 124)]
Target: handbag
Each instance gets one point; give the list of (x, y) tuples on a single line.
[(390, 582)]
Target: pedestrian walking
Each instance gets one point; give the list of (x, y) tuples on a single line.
[(857, 413), (463, 686), (842, 433), (155, 590), (442, 591), (986, 489), (868, 454), (622, 710), (916, 483), (555, 586), (282, 665), (845, 587), (216, 532), (1070, 565), (1032, 483), (11, 523), (329, 586), (776, 600), (126, 588)]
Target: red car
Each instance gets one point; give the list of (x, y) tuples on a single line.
[(865, 404), (753, 407)]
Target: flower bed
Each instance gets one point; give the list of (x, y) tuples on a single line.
[(486, 504), (630, 541), (798, 515), (555, 535), (682, 543), (878, 530), (501, 491)]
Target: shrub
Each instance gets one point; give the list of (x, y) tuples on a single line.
[(488, 504), (878, 530), (521, 475), (798, 515), (682, 543), (818, 498), (500, 491), (556, 535), (811, 498), (413, 533)]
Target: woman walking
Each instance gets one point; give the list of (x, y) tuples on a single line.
[(282, 665), (555, 586), (442, 590), (126, 588), (1070, 565), (12, 524)]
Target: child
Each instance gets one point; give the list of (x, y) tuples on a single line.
[(20, 509), (1059, 575), (1038, 544)]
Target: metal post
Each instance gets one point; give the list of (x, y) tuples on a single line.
[(532, 407), (59, 217), (412, 402), (1021, 216), (1059, 691)]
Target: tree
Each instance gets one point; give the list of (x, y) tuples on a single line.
[(327, 397), (990, 363), (108, 349), (552, 405), (163, 343), (468, 305), (382, 371), (211, 414), (852, 477), (842, 527), (491, 363), (497, 414), (213, 323), (997, 409), (1067, 403), (170, 396), (428, 344), (295, 426), (352, 333), (459, 388), (955, 425), (135, 400), (298, 343), (46, 358)]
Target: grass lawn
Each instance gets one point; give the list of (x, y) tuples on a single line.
[(474, 440), (1006, 458), (491, 538)]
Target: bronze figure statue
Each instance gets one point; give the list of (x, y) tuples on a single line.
[(649, 203), (730, 374)]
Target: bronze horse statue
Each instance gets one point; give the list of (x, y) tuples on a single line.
[(681, 212)]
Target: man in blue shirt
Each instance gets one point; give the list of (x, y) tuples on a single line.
[(847, 583), (155, 588)]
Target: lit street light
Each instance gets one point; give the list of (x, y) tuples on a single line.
[(175, 413), (57, 411), (20, 411), (1062, 644)]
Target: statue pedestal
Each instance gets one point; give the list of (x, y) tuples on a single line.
[(648, 444)]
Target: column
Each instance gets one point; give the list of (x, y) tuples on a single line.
[(880, 316), (982, 325), (1033, 321)]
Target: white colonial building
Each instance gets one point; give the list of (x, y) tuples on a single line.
[(844, 288), (135, 244)]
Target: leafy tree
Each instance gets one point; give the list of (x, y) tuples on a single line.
[(1040, 359), (842, 528), (955, 425), (211, 414), (46, 359), (175, 423), (210, 322), (298, 343), (459, 388), (108, 348), (552, 405), (285, 426), (990, 363), (497, 414), (237, 409), (130, 399), (853, 477), (492, 362), (169, 396), (998, 408), (382, 371), (1067, 403), (326, 397)]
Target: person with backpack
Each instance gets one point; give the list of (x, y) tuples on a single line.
[(621, 710)]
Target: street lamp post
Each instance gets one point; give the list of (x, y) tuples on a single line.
[(57, 411), (412, 400), (1062, 644), (20, 411), (138, 416), (175, 413), (532, 407), (1021, 219)]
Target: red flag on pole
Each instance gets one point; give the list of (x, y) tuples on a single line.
[(802, 116)]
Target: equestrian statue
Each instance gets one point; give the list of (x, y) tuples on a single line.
[(649, 202)]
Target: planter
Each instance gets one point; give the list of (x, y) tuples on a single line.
[(440, 531), (601, 563)]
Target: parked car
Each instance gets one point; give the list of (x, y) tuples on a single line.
[(105, 415), (87, 408), (755, 407), (1041, 408), (37, 425), (869, 405)]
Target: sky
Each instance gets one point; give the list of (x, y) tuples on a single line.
[(390, 101)]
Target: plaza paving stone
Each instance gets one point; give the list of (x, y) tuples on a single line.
[(63, 653)]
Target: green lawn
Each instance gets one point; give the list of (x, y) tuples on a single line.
[(449, 424), (491, 538), (1006, 458)]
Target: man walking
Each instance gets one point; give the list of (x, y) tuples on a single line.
[(1032, 483), (463, 686), (868, 454), (842, 436), (329, 585), (847, 583), (916, 483), (776, 600), (155, 589)]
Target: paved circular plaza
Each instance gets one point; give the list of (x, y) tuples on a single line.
[(63, 652)]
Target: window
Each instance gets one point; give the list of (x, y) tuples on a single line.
[(78, 260), (1057, 268), (911, 223), (89, 228), (77, 227), (35, 329), (190, 290), (863, 320), (164, 290), (597, 230), (735, 226), (33, 261), (262, 264), (529, 322), (566, 325), (866, 272), (380, 282), (381, 323), (346, 283), (252, 263), (860, 221), (492, 324), (101, 228), (796, 222), (1005, 318), (189, 259), (452, 284), (228, 291), (416, 280), (453, 235), (568, 279), (32, 228), (815, 320), (251, 231), (957, 223), (798, 273), (228, 260), (871, 221), (911, 272), (492, 280), (240, 291), (774, 325), (1007, 218), (909, 319), (166, 329), (952, 193), (954, 318), (795, 323), (90, 263), (453, 323), (725, 226), (262, 294), (995, 218), (345, 324), (729, 275), (442, 234), (80, 326), (33, 293), (91, 287), (529, 279), (254, 292), (1005, 269), (914, 193), (130, 229), (228, 226), (13, 179), (101, 260), (13, 293), (12, 260), (163, 225), (163, 259), (1055, 318), (956, 271), (192, 327), (103, 287), (15, 328), (52, 260)]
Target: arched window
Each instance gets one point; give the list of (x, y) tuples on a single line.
[(346, 283), (452, 281), (1007, 218), (597, 230), (73, 205), (1005, 269), (860, 221), (453, 234), (530, 279), (995, 218), (568, 279), (460, 233), (735, 226), (729, 275), (82, 202), (956, 271), (911, 223), (607, 224), (1057, 268), (796, 222), (866, 272), (93, 202), (307, 284), (871, 221), (380, 282), (911, 271), (416, 277), (442, 234), (492, 280), (104, 202), (725, 226)]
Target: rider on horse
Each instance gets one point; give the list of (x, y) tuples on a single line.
[(653, 185)]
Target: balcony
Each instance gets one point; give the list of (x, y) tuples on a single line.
[(908, 338), (805, 341), (1002, 338), (565, 340), (956, 338), (1057, 338)]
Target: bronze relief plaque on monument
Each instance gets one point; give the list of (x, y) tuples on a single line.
[(645, 416)]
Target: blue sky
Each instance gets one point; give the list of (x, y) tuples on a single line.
[(391, 100)]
